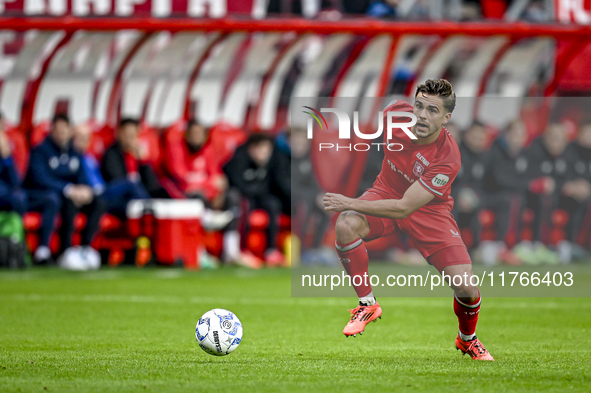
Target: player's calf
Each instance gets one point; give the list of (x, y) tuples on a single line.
[(466, 305), (351, 227)]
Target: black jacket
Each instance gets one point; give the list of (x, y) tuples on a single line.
[(503, 171), (541, 163), (253, 181), (113, 168), (578, 160), (472, 172)]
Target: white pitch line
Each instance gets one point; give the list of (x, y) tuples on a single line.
[(389, 302)]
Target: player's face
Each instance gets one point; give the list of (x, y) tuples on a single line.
[(431, 115)]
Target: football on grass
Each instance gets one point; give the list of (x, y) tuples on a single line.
[(219, 332)]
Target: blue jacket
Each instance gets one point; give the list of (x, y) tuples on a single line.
[(51, 168), (92, 171), (8, 177)]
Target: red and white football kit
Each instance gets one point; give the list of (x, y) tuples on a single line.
[(432, 228)]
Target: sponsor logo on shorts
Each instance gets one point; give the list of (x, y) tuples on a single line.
[(440, 180), (454, 233)]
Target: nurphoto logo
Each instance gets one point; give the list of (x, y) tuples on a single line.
[(344, 124)]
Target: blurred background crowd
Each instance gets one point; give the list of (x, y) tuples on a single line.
[(190, 100), (64, 176)]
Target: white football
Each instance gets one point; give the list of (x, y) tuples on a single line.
[(219, 332)]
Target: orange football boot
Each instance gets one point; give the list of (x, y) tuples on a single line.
[(361, 316), (474, 348)]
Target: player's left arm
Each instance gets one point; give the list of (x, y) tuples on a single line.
[(413, 199)]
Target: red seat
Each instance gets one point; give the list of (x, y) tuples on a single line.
[(39, 132), (110, 222), (20, 149), (258, 219), (226, 138), (31, 221), (100, 140), (486, 218), (528, 216), (284, 221), (559, 218), (150, 144)]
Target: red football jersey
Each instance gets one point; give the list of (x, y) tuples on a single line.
[(192, 172), (434, 165)]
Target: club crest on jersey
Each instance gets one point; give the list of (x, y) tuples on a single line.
[(440, 180), (418, 169)]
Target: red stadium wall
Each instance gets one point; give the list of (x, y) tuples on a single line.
[(163, 70)]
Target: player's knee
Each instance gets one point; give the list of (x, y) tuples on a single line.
[(350, 226), (467, 293)]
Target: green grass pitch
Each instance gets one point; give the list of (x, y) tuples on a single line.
[(129, 330)]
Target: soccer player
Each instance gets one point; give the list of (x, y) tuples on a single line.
[(412, 195)]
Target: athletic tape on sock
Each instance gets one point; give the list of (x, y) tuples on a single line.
[(349, 246), (475, 305)]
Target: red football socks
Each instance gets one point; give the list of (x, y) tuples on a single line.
[(355, 260), (467, 315)]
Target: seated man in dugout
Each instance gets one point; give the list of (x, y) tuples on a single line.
[(55, 169), (124, 161), (261, 173), (117, 193)]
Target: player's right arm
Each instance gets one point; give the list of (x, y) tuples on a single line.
[(413, 199)]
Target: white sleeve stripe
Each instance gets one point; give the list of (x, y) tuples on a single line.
[(429, 188)]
